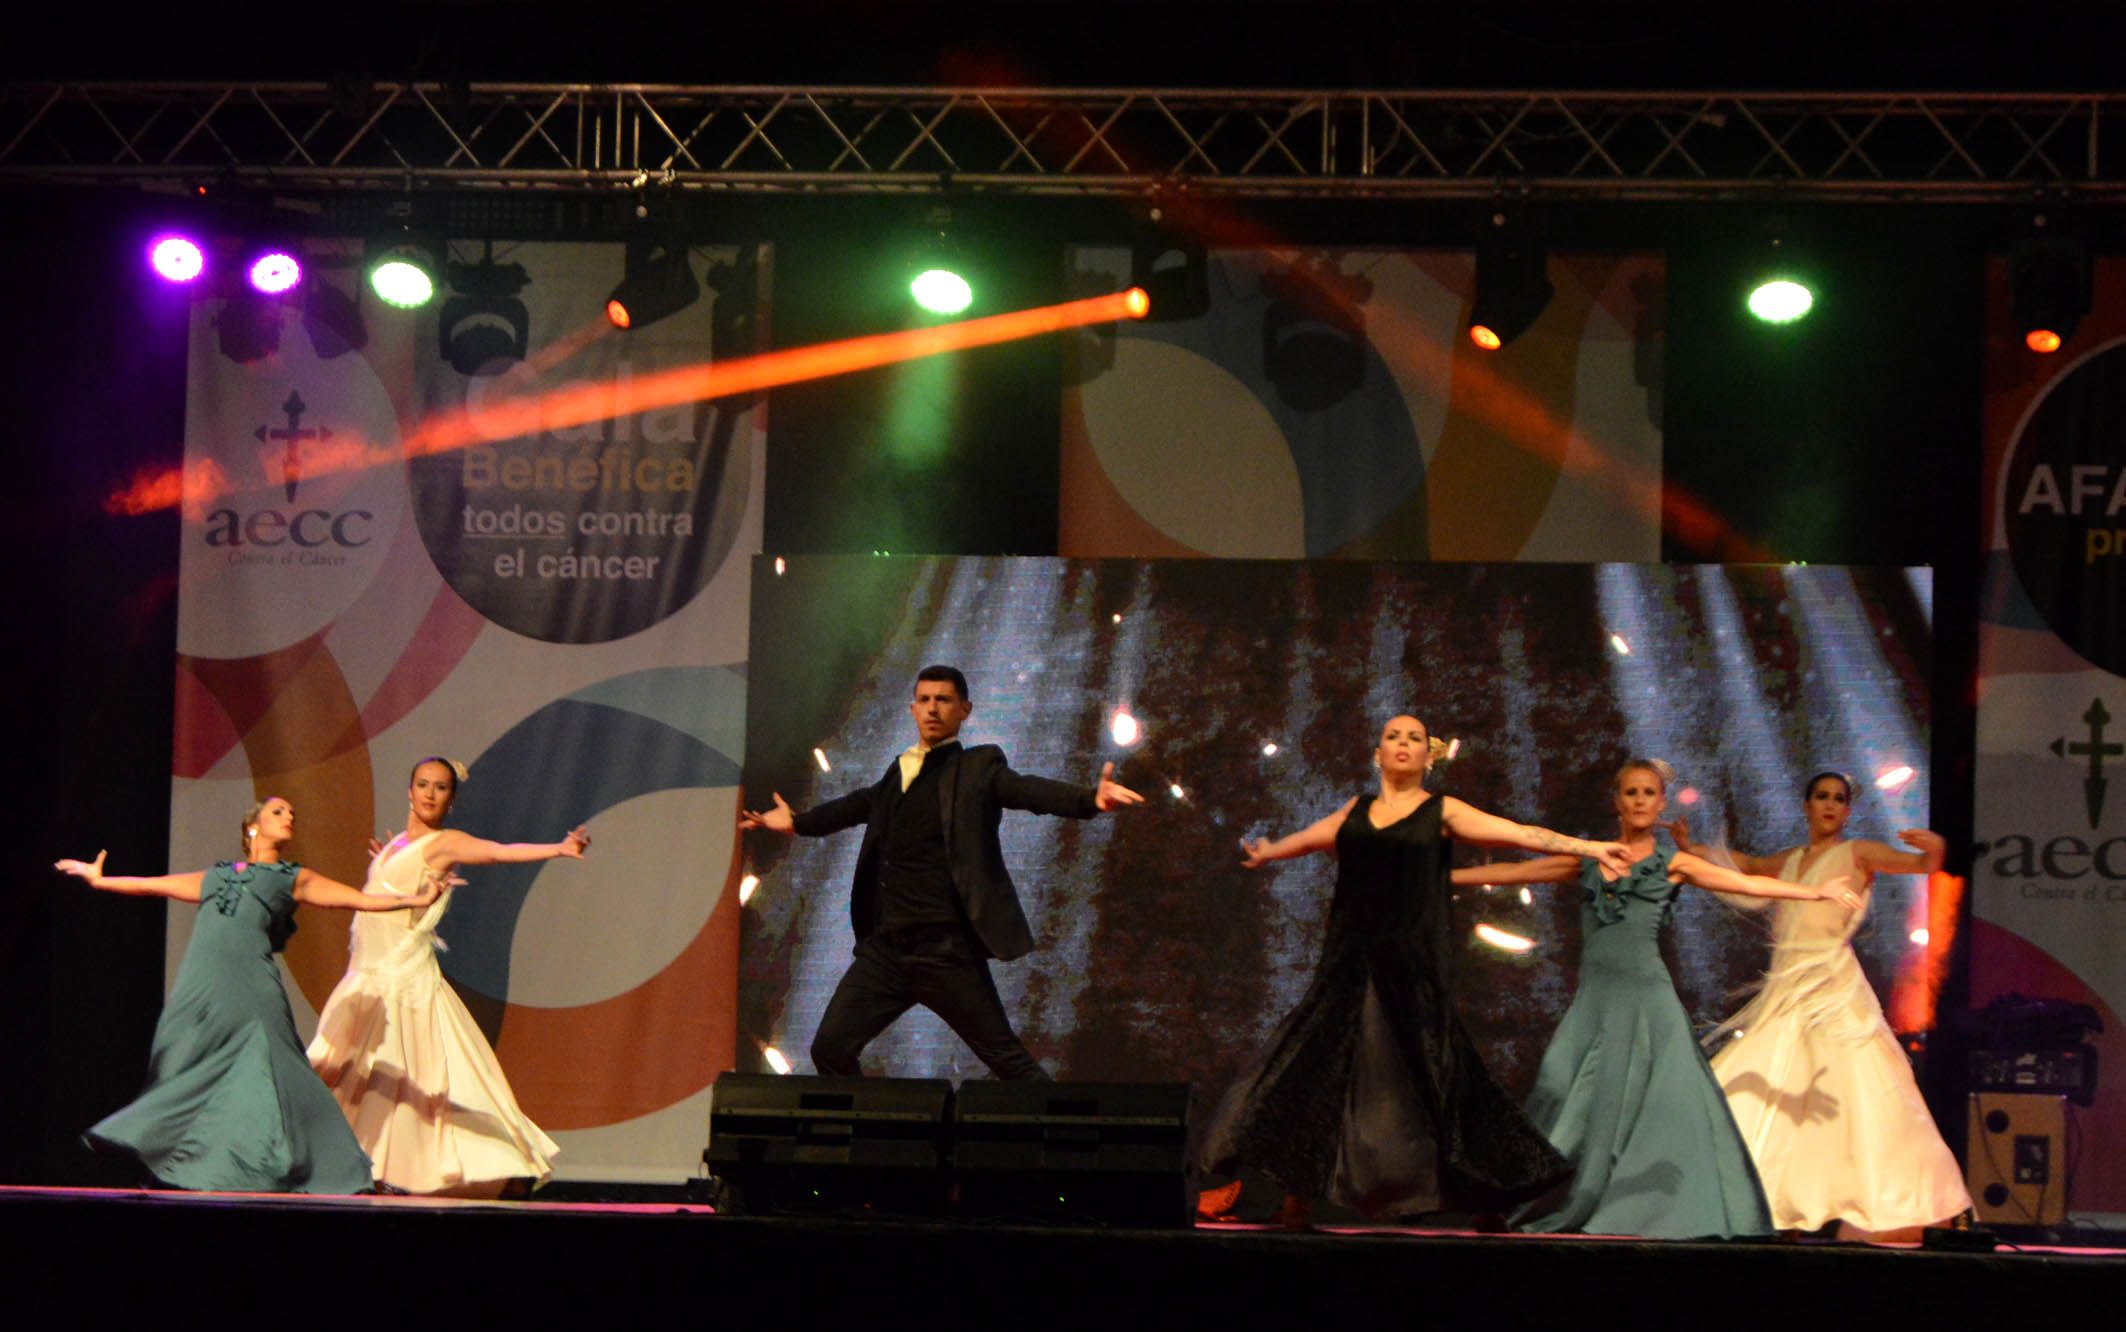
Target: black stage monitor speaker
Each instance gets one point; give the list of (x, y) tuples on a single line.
[(1078, 1152), (839, 1146)]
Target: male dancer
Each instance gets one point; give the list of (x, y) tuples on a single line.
[(933, 901)]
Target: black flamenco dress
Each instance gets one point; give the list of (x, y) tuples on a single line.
[(1370, 1094)]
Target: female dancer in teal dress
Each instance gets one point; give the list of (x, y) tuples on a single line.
[(1370, 1093), (1623, 1091), (231, 1102)]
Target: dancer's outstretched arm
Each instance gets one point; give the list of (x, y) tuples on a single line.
[(1316, 836), (1768, 866), (1470, 824), (180, 887), (314, 889), (1543, 869), (844, 811), (1687, 868), (452, 847), (311, 888)]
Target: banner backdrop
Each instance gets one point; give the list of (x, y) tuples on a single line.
[(1329, 405), (565, 612), (2049, 876)]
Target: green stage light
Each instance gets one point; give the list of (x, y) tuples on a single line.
[(941, 291), (403, 267), (402, 283), (1781, 300)]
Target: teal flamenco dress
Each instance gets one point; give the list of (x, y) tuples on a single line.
[(1625, 1094), (231, 1102)]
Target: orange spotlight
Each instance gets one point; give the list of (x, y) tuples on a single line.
[(2043, 341), (1136, 303), (616, 314), (1482, 336)]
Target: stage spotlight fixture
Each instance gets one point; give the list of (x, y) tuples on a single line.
[(275, 271), (659, 282), (937, 279), (1781, 300), (1512, 285), (248, 327), (403, 269), (1174, 272), (332, 320), (1314, 333), (176, 258), (1780, 293), (484, 328), (941, 291), (2048, 289)]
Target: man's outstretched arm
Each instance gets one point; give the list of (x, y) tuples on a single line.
[(841, 812), (1045, 795)]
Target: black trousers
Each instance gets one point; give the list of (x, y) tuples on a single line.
[(945, 976)]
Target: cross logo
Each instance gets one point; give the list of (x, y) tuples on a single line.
[(293, 436), (2098, 749)]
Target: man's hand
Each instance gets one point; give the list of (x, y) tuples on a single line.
[(1106, 796), (776, 820)]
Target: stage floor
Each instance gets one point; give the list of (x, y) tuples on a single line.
[(634, 1255)]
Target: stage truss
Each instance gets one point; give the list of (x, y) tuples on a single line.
[(1864, 147)]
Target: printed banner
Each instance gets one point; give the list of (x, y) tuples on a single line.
[(1329, 405), (565, 612), (2049, 876)]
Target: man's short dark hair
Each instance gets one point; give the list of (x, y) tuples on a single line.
[(949, 675)]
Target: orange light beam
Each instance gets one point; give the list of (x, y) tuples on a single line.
[(1915, 991), (583, 402), (578, 404)]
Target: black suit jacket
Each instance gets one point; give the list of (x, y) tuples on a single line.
[(974, 793)]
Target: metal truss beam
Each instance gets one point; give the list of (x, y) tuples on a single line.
[(1862, 147)]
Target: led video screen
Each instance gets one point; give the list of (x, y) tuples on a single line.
[(1244, 699)]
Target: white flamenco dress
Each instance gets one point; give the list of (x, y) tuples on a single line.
[(1819, 1085), (410, 1068)]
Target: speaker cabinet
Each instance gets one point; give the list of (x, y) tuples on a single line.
[(2016, 1162), (837, 1146), (1078, 1152)]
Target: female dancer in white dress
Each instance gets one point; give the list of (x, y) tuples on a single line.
[(1819, 1086), (410, 1068)]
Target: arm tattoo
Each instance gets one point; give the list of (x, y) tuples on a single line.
[(1549, 841)]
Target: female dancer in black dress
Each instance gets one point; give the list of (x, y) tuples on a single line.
[(1370, 1093)]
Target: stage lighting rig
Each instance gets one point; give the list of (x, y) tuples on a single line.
[(1780, 291), (658, 282), (2048, 286), (403, 268), (332, 320), (176, 257), (937, 278), (247, 328), (1314, 332), (274, 270), (1173, 270), (1512, 284), (484, 328)]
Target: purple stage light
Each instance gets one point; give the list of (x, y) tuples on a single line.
[(176, 258), (275, 272)]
